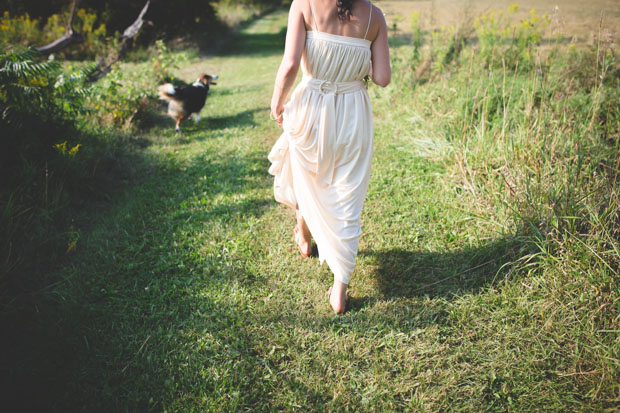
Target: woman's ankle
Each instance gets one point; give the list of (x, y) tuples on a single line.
[(302, 227), (338, 297)]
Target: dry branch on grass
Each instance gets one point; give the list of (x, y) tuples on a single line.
[(71, 36), (128, 34)]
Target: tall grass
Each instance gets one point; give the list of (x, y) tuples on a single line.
[(534, 139)]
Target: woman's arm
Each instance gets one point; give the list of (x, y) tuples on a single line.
[(380, 72), (295, 39)]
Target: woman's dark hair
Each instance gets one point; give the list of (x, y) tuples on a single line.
[(344, 9)]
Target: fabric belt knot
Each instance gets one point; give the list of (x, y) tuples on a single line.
[(326, 156), (327, 87)]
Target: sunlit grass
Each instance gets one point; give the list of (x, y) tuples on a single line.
[(188, 294)]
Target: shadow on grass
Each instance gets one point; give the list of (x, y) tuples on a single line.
[(141, 288), (257, 44), (213, 173), (155, 117), (116, 329), (237, 91), (416, 288), (177, 289), (210, 123), (191, 130), (403, 273)]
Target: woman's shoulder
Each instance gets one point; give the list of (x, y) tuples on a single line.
[(298, 5), (377, 13), (377, 22), (301, 8)]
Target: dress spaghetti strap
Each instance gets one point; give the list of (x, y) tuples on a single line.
[(316, 27), (369, 17)]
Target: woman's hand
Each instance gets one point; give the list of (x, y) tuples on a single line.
[(277, 113)]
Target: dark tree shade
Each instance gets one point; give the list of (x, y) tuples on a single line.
[(35, 8), (172, 17)]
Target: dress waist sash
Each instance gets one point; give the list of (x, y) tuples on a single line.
[(327, 87), (326, 156)]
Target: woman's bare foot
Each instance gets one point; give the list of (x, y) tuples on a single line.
[(305, 248), (338, 297), (302, 237)]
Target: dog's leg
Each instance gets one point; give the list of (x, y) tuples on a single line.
[(196, 117), (178, 127)]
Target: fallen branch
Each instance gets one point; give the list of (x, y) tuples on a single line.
[(132, 30), (127, 35), (70, 36)]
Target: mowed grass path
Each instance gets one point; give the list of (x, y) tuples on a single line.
[(188, 294)]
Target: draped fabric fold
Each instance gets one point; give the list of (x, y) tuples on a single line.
[(321, 162), (326, 148), (325, 156)]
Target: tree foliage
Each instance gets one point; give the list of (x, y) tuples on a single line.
[(171, 18)]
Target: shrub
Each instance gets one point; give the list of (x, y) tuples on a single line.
[(20, 30), (26, 86), (124, 96), (503, 42), (46, 163)]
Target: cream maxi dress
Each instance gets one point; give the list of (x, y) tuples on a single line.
[(321, 162)]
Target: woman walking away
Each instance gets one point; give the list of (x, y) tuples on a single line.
[(321, 162)]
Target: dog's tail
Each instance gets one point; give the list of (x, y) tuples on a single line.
[(167, 92)]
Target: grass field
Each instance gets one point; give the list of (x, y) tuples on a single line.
[(572, 20), (187, 293)]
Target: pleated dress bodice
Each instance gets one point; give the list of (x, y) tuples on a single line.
[(335, 58)]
